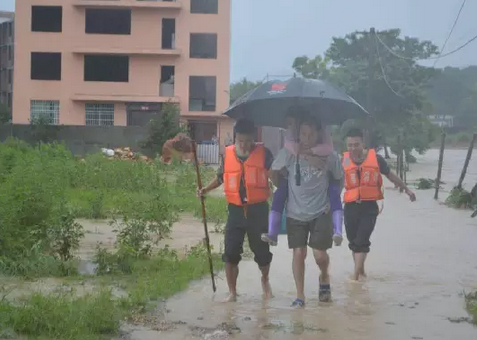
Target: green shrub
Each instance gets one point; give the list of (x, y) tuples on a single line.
[(65, 234), (461, 199), (28, 197)]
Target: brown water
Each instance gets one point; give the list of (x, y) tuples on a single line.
[(423, 257)]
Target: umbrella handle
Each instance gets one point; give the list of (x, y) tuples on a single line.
[(297, 172)]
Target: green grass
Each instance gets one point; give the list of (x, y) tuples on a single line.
[(84, 203), (40, 186), (63, 317), (37, 266), (66, 316)]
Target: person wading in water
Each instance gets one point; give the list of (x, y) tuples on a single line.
[(363, 188), (309, 221), (244, 173)]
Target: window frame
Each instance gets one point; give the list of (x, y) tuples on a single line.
[(100, 111), (53, 111)]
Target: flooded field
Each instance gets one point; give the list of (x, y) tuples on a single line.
[(423, 257)]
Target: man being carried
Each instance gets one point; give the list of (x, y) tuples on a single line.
[(309, 221), (363, 188), (244, 173)]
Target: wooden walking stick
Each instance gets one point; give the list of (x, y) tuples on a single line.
[(204, 216)]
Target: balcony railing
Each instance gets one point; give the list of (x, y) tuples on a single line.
[(169, 4), (126, 51)]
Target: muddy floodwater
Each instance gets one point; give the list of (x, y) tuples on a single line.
[(423, 257)]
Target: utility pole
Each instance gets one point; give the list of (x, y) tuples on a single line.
[(371, 126)]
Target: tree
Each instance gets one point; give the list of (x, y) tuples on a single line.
[(238, 89), (4, 114), (163, 129), (312, 68), (454, 93), (358, 62), (43, 131)]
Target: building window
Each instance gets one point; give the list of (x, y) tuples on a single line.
[(9, 100), (99, 114), (166, 87), (46, 18), (107, 68), (45, 66), (203, 45), (168, 34), (202, 93), (204, 6), (10, 76), (47, 111), (10, 52), (108, 21)]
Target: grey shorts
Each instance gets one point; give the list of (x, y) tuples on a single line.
[(317, 233)]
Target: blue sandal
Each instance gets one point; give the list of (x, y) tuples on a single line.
[(298, 303)]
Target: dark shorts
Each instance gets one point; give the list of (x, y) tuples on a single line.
[(359, 220), (254, 225), (318, 233)]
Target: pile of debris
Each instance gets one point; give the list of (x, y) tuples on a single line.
[(179, 147), (125, 154)]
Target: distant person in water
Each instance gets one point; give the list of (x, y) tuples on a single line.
[(323, 149), (309, 221), (244, 174), (363, 188)]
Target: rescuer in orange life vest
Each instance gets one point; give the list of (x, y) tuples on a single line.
[(244, 174), (363, 188)]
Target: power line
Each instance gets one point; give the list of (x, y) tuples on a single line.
[(430, 58), (451, 31), (383, 72)]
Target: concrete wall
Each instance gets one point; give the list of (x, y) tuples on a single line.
[(83, 139)]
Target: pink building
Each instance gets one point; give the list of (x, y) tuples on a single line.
[(114, 62), (6, 58)]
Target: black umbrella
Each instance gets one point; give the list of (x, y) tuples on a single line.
[(269, 103)]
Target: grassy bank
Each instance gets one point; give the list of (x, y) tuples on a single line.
[(92, 316), (43, 190)]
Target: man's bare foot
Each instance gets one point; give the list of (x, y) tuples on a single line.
[(230, 298), (267, 289), (359, 278)]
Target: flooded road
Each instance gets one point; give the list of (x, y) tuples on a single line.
[(422, 258)]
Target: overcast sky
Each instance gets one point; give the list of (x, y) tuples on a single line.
[(268, 34)]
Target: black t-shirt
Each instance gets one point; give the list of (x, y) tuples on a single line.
[(383, 165), (371, 205), (243, 191)]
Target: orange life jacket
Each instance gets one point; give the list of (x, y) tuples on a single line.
[(362, 182), (254, 173)]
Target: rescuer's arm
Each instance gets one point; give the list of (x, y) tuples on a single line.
[(386, 171), (215, 183)]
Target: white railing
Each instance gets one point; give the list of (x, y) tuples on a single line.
[(208, 153)]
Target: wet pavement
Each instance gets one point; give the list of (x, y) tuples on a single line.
[(422, 258)]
